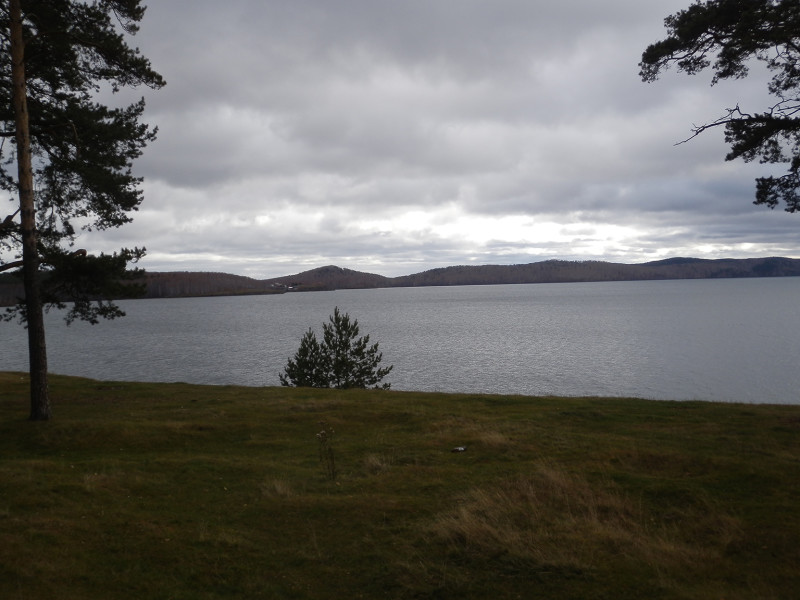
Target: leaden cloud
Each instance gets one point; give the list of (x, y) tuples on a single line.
[(393, 137)]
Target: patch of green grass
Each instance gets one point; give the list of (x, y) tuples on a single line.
[(177, 491)]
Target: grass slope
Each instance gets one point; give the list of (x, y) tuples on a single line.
[(196, 492)]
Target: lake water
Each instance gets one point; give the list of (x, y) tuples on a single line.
[(722, 340)]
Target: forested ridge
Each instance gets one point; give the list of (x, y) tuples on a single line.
[(560, 271), (190, 284)]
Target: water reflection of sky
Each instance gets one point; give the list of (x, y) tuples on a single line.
[(727, 340)]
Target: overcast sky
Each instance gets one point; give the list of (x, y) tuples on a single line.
[(397, 136)]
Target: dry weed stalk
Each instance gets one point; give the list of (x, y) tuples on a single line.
[(326, 455)]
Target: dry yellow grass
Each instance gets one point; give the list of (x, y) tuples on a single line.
[(549, 517)]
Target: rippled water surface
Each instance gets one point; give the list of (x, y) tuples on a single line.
[(728, 340)]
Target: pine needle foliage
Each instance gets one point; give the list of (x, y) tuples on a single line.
[(729, 37), (343, 360)]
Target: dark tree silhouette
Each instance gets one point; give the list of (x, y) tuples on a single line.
[(70, 164), (725, 35)]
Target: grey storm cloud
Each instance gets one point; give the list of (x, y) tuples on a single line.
[(393, 137)]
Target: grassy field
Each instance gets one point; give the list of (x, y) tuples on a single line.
[(177, 491)]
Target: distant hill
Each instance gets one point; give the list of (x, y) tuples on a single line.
[(330, 278), (559, 271), (184, 284), (187, 284), (548, 271)]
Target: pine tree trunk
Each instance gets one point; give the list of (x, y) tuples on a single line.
[(37, 349)]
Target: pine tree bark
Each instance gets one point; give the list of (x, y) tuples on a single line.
[(37, 349)]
